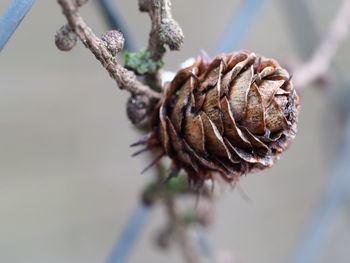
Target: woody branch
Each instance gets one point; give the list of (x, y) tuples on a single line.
[(327, 49), (125, 79), (165, 31)]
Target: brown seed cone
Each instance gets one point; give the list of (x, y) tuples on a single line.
[(232, 115)]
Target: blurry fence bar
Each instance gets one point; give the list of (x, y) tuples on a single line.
[(11, 19), (241, 22), (130, 235), (300, 21)]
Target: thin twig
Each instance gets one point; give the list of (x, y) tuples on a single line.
[(321, 59), (164, 31), (187, 247), (182, 238), (124, 78)]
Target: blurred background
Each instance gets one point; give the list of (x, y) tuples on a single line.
[(68, 183)]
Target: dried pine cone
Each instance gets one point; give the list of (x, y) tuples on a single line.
[(232, 115)]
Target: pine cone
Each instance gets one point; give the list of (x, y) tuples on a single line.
[(233, 115)]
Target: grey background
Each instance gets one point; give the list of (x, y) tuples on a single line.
[(68, 183)]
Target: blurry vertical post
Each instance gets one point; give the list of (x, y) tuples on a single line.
[(11, 19)]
